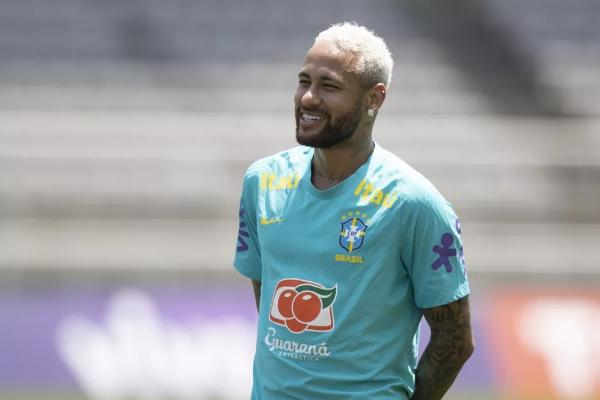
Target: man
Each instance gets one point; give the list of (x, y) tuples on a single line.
[(348, 247)]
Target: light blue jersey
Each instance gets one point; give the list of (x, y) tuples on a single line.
[(345, 273)]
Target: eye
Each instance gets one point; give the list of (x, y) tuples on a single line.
[(303, 82), (330, 86)]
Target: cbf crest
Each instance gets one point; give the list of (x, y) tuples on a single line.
[(354, 229)]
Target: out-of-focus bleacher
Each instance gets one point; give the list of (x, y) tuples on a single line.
[(159, 189), (125, 128)]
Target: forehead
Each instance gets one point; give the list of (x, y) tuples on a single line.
[(325, 59)]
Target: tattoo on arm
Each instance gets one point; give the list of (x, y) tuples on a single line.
[(256, 286), (450, 346)]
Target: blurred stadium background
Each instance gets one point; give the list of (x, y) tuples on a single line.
[(125, 129)]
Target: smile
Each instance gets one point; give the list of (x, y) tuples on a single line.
[(310, 119)]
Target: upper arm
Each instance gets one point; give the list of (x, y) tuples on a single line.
[(432, 252), (247, 256), (450, 326)]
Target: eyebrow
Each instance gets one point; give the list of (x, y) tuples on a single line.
[(322, 77)]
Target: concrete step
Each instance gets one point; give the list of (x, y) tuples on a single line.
[(173, 164), (422, 83), (113, 246)]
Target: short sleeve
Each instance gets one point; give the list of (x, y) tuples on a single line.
[(247, 258), (433, 253)]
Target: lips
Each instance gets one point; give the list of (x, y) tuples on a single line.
[(311, 117), (308, 119)]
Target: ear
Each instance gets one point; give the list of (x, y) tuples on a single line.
[(376, 96)]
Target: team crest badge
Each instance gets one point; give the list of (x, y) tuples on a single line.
[(301, 305), (353, 231)]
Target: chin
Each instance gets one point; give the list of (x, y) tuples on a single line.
[(305, 140), (317, 141)]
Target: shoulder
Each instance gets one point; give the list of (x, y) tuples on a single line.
[(412, 184), (283, 161), (279, 171), (415, 191)]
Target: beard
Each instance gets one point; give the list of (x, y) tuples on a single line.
[(334, 131)]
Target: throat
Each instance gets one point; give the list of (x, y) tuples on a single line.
[(324, 181), (330, 167)]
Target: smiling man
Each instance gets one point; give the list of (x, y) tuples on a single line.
[(348, 247)]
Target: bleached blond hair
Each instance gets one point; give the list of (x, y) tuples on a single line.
[(375, 61)]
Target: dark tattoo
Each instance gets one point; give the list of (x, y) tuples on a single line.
[(450, 346), (256, 286)]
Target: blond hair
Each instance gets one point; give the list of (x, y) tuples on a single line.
[(375, 61)]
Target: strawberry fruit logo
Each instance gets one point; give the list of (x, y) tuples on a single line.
[(302, 306)]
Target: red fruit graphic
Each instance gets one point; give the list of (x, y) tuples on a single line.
[(306, 306), (295, 326), (303, 306), (284, 304)]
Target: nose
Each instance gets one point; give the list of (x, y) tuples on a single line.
[(310, 97)]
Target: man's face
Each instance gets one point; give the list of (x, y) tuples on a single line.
[(329, 100)]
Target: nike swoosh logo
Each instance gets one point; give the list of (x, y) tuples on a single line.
[(269, 221)]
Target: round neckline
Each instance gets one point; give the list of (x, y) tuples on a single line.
[(339, 188)]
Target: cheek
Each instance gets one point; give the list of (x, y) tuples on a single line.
[(341, 102), (338, 109), (298, 96)]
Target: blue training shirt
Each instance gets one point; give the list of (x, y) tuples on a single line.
[(345, 273)]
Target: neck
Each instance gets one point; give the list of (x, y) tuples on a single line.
[(332, 165)]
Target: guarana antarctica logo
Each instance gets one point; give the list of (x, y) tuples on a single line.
[(301, 305)]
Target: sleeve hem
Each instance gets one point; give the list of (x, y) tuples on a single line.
[(247, 273), (459, 294)]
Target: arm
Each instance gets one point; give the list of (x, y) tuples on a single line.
[(256, 286), (450, 346)]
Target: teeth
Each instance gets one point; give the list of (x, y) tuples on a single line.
[(309, 117)]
